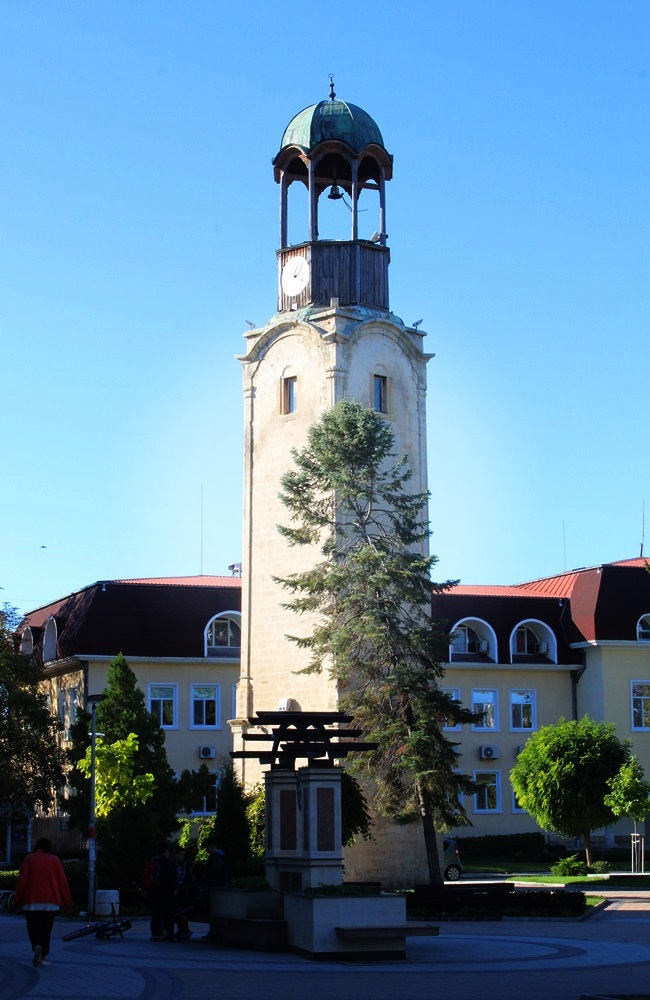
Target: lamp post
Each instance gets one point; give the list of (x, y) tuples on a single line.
[(93, 700)]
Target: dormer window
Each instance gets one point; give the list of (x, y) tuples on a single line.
[(643, 629), (467, 640), (223, 635), (473, 638), (528, 642), (49, 641), (533, 639), (27, 642)]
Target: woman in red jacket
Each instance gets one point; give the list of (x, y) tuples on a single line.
[(41, 889)]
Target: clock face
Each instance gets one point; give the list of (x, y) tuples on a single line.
[(295, 276)]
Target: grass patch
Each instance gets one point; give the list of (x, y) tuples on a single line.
[(603, 881)]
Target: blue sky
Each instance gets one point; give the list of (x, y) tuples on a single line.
[(139, 223)]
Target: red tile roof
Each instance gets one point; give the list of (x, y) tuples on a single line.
[(184, 581), (485, 590), (551, 586)]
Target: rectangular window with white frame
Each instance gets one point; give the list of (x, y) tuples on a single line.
[(523, 715), (640, 695), (455, 694), (73, 705), (162, 703), (205, 709), (487, 798), (485, 702)]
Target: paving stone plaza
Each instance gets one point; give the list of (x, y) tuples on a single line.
[(607, 955)]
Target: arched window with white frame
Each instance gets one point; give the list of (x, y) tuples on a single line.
[(473, 638), (49, 640), (223, 635), (27, 642), (643, 628), (532, 640)]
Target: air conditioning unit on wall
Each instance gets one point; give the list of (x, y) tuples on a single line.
[(207, 753), (488, 753)]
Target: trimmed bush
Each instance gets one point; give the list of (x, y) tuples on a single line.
[(572, 865), (8, 879), (450, 905)]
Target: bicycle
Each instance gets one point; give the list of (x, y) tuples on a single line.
[(7, 901), (102, 929)]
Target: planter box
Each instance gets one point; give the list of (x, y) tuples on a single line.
[(245, 904), (312, 923)]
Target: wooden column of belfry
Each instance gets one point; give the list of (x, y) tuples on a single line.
[(333, 332)]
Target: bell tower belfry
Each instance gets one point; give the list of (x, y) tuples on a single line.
[(332, 336)]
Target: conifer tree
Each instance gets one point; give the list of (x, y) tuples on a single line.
[(370, 598), (127, 835)]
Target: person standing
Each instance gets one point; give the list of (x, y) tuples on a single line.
[(215, 866), (182, 895), (41, 890), (216, 876), (161, 894)]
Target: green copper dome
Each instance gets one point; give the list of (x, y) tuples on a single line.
[(332, 120)]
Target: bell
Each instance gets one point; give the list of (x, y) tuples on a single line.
[(335, 194)]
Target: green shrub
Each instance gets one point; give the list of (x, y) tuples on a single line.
[(8, 879), (545, 903), (600, 868), (573, 865)]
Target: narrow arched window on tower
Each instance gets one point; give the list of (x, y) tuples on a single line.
[(380, 393), (290, 394)]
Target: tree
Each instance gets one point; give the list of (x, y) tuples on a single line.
[(231, 830), (126, 836), (370, 596), (562, 776), (116, 784), (197, 790), (31, 761), (629, 792)]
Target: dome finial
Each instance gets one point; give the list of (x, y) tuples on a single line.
[(332, 94)]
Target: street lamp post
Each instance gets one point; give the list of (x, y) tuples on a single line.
[(93, 701)]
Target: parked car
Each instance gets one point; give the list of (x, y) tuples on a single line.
[(452, 865)]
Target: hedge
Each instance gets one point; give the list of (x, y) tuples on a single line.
[(487, 906)]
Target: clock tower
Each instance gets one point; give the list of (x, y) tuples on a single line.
[(333, 335)]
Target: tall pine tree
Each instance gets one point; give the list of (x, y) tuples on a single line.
[(370, 598)]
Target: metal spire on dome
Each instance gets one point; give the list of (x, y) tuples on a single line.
[(332, 94)]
